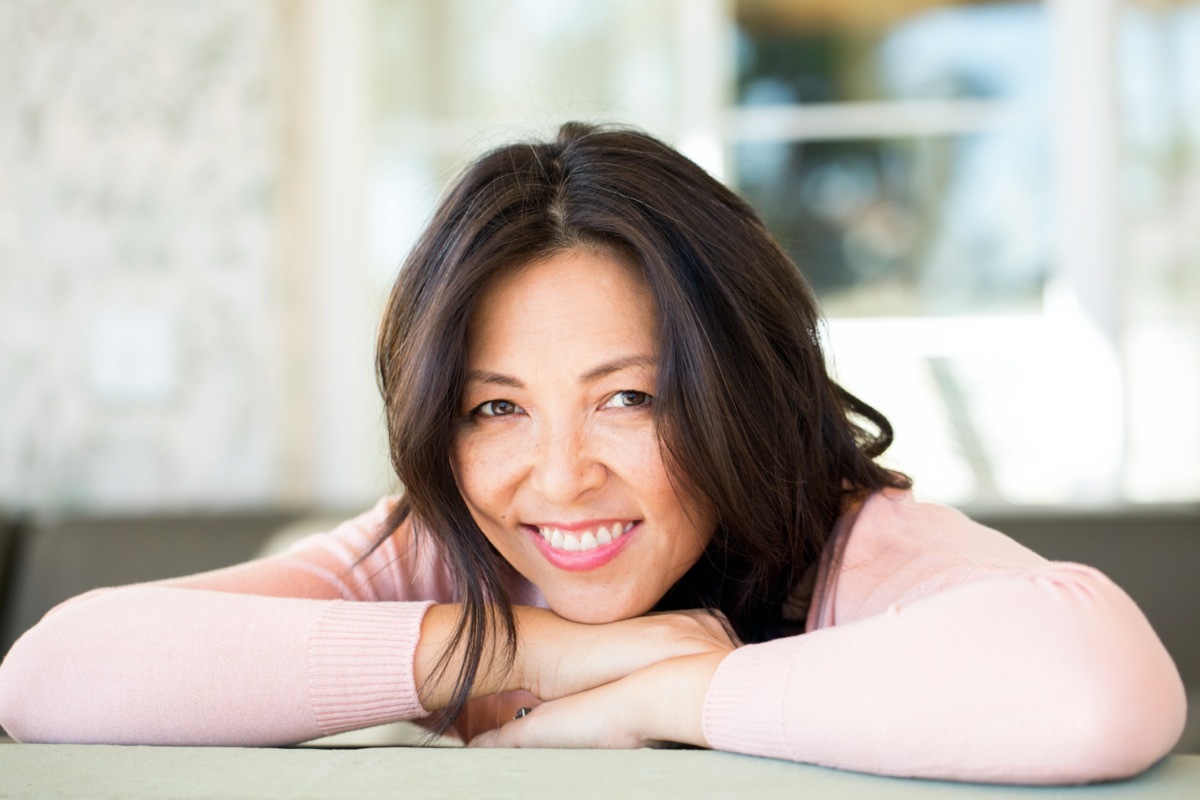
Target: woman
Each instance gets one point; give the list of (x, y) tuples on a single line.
[(606, 397)]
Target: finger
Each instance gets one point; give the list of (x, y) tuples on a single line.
[(507, 735), (487, 739)]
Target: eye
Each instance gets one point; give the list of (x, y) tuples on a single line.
[(628, 398), (496, 408)]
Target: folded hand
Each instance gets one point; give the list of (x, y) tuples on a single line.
[(662, 702)]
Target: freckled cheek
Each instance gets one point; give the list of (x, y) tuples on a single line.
[(642, 465), (486, 471), (637, 460)]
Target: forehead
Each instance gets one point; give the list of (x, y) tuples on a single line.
[(580, 303)]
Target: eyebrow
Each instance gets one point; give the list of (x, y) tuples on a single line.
[(595, 373), (617, 365), (483, 376)]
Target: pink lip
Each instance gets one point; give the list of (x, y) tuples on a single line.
[(581, 561)]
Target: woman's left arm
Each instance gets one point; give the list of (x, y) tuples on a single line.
[(1050, 676)]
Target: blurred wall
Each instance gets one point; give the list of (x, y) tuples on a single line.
[(202, 207), (183, 315), (140, 300)]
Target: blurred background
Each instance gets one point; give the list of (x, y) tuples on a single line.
[(202, 206)]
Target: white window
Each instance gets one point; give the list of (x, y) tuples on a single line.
[(990, 198)]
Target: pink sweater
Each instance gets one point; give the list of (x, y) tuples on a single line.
[(936, 647)]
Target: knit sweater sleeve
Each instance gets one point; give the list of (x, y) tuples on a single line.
[(939, 648), (279, 650)]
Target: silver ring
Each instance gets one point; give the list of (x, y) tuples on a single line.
[(521, 712)]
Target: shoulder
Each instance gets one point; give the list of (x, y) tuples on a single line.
[(890, 547), (382, 558), (376, 556), (350, 541), (892, 528)]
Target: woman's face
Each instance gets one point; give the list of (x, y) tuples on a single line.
[(557, 456)]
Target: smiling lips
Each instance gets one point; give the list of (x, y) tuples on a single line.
[(582, 549), (572, 542)]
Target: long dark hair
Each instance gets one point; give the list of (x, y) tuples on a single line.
[(747, 415)]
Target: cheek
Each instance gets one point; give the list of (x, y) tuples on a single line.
[(676, 505), (644, 468), (632, 451), (482, 470)]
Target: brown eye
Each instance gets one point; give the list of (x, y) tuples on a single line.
[(629, 398), (497, 408)]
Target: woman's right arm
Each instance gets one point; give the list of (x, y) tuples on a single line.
[(293, 647), (275, 651)]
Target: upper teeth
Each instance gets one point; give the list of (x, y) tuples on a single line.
[(584, 540)]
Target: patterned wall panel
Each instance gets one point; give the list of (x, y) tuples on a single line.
[(139, 293)]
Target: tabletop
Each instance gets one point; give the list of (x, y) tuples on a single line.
[(106, 771)]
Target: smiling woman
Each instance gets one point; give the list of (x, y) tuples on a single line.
[(569, 475), (637, 508)]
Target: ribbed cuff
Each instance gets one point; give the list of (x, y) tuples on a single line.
[(743, 710), (361, 664)]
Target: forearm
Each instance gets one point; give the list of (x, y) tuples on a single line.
[(1050, 677), (436, 666), (670, 698), (555, 657), (155, 665)]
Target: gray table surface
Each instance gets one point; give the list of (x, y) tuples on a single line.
[(105, 771)]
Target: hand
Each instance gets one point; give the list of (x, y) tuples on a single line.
[(490, 712), (557, 657), (663, 702)]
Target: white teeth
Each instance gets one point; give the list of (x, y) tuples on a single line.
[(586, 540)]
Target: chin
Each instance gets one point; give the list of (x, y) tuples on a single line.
[(594, 614)]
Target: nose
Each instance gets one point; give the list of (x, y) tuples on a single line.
[(565, 468)]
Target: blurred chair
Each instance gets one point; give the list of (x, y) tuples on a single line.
[(9, 535), (52, 561)]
